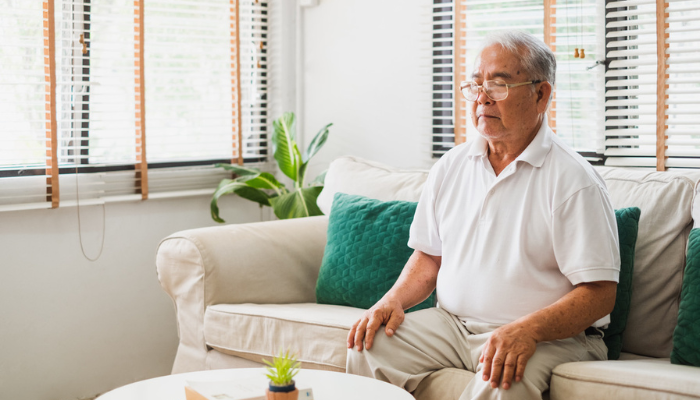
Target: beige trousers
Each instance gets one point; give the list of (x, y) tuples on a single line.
[(433, 339)]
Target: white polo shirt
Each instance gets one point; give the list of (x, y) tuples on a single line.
[(515, 243)]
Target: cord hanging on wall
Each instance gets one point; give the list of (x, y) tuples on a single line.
[(80, 229), (77, 207)]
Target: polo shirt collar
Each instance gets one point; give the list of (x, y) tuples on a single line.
[(534, 154)]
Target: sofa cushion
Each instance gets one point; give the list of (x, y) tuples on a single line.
[(366, 251), (353, 175), (625, 380), (665, 199), (627, 227), (315, 332), (686, 337)]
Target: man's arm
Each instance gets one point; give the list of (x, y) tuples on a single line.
[(417, 280), (509, 348)]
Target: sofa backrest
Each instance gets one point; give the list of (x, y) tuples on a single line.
[(667, 201), (353, 175)]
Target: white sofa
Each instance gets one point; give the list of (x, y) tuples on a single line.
[(243, 292)]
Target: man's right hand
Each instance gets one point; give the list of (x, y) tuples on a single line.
[(386, 312)]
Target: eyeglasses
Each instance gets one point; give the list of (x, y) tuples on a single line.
[(496, 90)]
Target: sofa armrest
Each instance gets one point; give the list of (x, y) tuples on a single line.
[(265, 262)]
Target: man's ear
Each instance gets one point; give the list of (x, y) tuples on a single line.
[(543, 93)]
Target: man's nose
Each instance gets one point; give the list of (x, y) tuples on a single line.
[(482, 98)]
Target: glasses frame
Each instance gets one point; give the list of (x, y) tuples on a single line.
[(481, 87)]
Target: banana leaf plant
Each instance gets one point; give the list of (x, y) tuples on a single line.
[(264, 189)]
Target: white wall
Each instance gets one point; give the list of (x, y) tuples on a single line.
[(366, 68), (71, 328)]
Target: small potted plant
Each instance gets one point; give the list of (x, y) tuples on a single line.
[(280, 372)]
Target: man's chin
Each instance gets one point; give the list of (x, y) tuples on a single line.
[(489, 132)]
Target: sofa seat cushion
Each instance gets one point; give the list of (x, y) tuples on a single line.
[(623, 380), (315, 332)]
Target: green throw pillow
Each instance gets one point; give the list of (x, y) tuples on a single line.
[(686, 336), (365, 252), (627, 228)]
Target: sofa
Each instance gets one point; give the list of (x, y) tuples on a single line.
[(243, 292)]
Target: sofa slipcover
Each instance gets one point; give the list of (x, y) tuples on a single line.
[(238, 302)]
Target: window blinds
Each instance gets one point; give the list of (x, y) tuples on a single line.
[(197, 107), (568, 24), (652, 84), (442, 64), (478, 19), (682, 107), (576, 111), (98, 98), (25, 90), (75, 101)]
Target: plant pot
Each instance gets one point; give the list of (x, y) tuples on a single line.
[(293, 395), (288, 392)]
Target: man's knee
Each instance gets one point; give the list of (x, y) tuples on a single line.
[(478, 389), (359, 362)]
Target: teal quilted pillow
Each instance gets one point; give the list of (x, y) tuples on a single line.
[(365, 252), (627, 228), (686, 336)]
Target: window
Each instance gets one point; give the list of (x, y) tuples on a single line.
[(652, 84), (609, 106), (123, 102), (568, 25), (443, 130)]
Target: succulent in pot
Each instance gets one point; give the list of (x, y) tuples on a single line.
[(281, 372)]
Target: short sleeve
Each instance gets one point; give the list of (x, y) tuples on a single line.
[(425, 234), (584, 235)]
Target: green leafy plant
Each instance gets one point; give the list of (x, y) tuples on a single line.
[(265, 189), (282, 369)]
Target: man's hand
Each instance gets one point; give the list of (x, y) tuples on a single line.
[(387, 312), (506, 353)]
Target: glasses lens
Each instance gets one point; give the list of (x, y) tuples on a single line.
[(470, 90), (496, 90)]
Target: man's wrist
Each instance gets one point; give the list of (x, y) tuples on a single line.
[(531, 330)]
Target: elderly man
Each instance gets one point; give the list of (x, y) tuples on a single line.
[(517, 234)]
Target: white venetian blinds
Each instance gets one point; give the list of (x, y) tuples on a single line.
[(478, 18), (120, 101), (652, 84), (196, 107), (442, 70), (97, 102), (26, 84), (576, 110), (573, 32), (682, 108)]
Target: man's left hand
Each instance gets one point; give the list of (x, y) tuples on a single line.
[(506, 354)]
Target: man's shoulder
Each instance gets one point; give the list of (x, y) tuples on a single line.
[(571, 166), (572, 174), (454, 157)]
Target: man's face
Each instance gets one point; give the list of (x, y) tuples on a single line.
[(519, 113)]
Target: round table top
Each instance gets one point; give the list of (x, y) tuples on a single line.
[(326, 385)]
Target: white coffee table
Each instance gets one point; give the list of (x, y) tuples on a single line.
[(326, 385)]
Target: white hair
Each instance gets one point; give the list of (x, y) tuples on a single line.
[(535, 56)]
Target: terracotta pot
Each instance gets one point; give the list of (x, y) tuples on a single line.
[(293, 395)]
